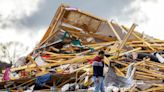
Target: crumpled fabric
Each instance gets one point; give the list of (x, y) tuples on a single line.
[(41, 80), (6, 75)]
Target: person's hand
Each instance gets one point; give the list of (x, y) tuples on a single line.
[(97, 80)]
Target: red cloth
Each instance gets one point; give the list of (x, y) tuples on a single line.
[(97, 58), (46, 56), (90, 61)]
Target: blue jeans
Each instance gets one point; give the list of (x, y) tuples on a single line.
[(99, 86)]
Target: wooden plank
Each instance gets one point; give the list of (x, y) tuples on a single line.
[(24, 83), (155, 89), (31, 59), (57, 54), (33, 62), (78, 59), (114, 31), (144, 77), (127, 37), (160, 65), (106, 61), (59, 57), (84, 27), (151, 72), (123, 53), (70, 29), (95, 49), (100, 44), (152, 45), (119, 72), (154, 41), (136, 64), (60, 85), (146, 74), (140, 39), (23, 67), (81, 68), (41, 73)]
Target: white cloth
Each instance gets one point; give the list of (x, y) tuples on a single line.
[(39, 61), (160, 58)]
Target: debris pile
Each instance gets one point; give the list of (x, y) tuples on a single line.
[(63, 58)]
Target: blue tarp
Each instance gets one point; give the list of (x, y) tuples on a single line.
[(41, 80)]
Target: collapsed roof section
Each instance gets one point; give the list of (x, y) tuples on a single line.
[(88, 28)]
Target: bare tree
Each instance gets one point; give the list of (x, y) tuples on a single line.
[(11, 51)]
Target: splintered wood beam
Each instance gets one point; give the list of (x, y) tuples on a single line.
[(136, 64), (63, 83), (74, 32), (95, 49), (139, 38), (100, 44), (61, 57), (114, 31), (52, 61), (70, 29), (47, 86), (65, 21), (158, 84), (79, 59), (33, 79), (146, 74), (119, 72), (143, 45), (121, 63), (23, 67), (56, 54), (160, 65), (31, 59), (151, 72), (155, 89), (143, 77), (123, 53), (106, 61), (154, 41), (127, 37), (41, 73), (81, 68)]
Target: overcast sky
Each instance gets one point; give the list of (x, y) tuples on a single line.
[(27, 20)]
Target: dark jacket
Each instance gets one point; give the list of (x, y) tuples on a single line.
[(98, 67)]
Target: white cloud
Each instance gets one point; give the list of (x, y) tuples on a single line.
[(149, 16), (27, 38), (12, 11), (18, 8)]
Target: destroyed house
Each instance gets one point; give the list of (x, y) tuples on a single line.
[(73, 39)]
